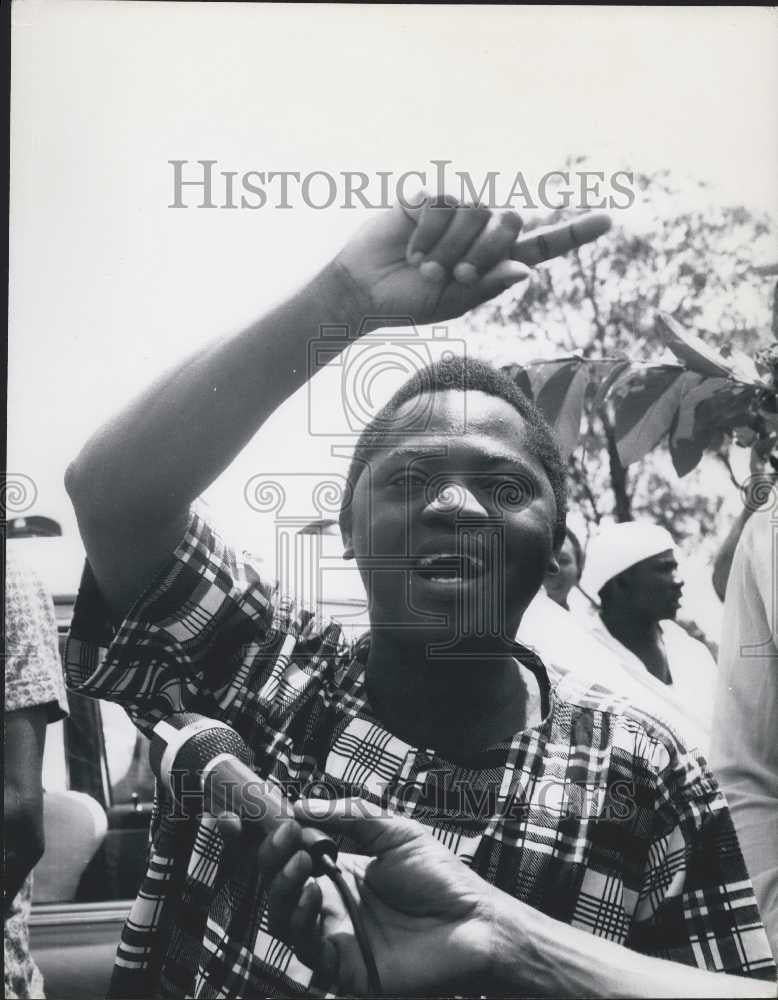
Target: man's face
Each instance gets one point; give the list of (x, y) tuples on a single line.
[(558, 585), (453, 528), (652, 587)]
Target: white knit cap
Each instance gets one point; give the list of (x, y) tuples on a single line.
[(616, 547)]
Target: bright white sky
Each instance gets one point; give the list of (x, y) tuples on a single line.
[(109, 285)]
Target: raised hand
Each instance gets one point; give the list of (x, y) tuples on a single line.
[(426, 914), (434, 259)]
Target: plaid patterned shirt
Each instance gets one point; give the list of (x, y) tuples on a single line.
[(597, 816)]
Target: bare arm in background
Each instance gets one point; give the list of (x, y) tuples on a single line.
[(722, 564), (25, 736), (758, 483)]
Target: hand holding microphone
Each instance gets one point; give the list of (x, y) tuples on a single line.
[(409, 902), (190, 753), (205, 763), (426, 917)]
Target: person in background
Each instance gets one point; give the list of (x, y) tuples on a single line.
[(745, 747), (756, 489), (571, 561), (632, 568), (34, 697)]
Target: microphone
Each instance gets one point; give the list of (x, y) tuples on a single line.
[(209, 755), (192, 752)]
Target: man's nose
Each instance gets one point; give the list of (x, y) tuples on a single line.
[(455, 499)]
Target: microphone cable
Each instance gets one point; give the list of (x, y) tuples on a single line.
[(334, 873)]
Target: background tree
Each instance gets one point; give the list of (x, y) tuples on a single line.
[(600, 302)]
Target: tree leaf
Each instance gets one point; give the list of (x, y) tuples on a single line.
[(558, 388), (609, 378), (696, 390), (708, 407), (692, 350), (645, 408), (561, 401), (518, 374), (540, 372)]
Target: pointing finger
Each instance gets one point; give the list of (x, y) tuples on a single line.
[(553, 241), (371, 825)]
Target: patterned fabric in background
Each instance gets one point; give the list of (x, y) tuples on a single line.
[(598, 816), (33, 678)]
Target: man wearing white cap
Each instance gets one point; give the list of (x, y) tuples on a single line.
[(632, 569)]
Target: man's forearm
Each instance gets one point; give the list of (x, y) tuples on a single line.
[(20, 859), (164, 449), (535, 954), (24, 842), (723, 561), (134, 480)]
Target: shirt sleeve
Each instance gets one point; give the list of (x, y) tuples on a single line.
[(696, 904), (744, 752), (33, 669), (207, 635)]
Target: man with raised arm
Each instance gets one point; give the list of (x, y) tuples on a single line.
[(532, 820)]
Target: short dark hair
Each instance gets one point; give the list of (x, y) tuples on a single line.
[(462, 374)]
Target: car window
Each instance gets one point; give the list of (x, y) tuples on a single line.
[(127, 757), (98, 796)]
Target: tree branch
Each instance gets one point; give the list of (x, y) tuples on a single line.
[(724, 459), (618, 472), (583, 481)]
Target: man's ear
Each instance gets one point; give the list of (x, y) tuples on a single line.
[(553, 560)]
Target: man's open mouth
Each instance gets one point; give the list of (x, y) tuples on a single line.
[(448, 567)]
